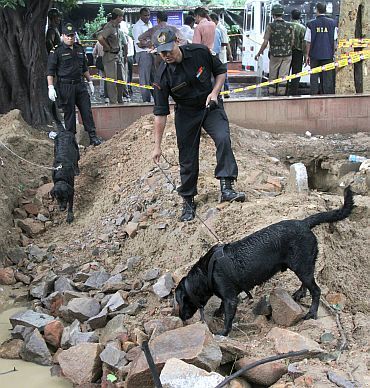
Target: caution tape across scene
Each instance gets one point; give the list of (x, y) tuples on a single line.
[(365, 42), (347, 60)]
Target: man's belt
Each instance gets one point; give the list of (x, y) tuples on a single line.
[(70, 81)]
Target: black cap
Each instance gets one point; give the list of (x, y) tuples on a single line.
[(68, 29), (54, 12), (164, 39)]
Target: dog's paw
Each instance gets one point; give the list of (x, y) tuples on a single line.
[(70, 218), (310, 315), (223, 333)]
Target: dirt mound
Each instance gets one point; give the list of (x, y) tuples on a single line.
[(119, 185), (16, 175)]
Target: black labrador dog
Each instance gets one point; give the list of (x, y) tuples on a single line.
[(66, 157), (226, 270)]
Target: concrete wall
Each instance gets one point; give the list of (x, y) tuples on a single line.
[(346, 30), (319, 115)]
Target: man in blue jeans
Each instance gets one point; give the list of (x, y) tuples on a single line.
[(320, 37)]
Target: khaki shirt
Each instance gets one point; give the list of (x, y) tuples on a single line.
[(111, 35)]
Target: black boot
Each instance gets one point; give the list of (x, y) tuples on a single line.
[(188, 209), (94, 140), (228, 194)]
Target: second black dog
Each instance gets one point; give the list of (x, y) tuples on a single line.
[(226, 270), (66, 157)]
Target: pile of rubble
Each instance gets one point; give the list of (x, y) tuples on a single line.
[(79, 325)]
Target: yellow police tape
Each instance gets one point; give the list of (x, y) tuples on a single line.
[(365, 42), (347, 60)]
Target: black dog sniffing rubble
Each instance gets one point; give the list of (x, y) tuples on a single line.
[(226, 270)]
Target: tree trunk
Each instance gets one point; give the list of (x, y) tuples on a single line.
[(354, 22), (23, 61)]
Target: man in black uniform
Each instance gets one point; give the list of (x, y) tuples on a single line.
[(185, 75), (52, 39), (68, 62)]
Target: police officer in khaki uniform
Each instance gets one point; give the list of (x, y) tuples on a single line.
[(186, 75), (279, 34), (68, 63), (109, 37)]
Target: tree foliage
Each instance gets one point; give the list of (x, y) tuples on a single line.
[(93, 26)]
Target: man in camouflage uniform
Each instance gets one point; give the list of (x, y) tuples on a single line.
[(279, 34)]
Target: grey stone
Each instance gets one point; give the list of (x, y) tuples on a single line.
[(119, 268), (131, 309), (50, 299), (67, 269), (36, 253), (114, 328), (113, 356), (133, 262), (30, 318), (16, 255), (81, 309), (21, 277), (96, 280), (35, 349), (155, 327), (151, 274), (98, 321), (63, 284), (21, 332), (164, 285), (327, 338), (41, 289), (81, 277), (119, 221), (69, 295), (116, 302), (73, 336), (42, 218)]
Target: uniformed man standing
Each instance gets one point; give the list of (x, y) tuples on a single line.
[(320, 37), (109, 37), (68, 63), (279, 34), (186, 75)]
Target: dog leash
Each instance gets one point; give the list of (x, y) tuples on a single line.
[(27, 161)]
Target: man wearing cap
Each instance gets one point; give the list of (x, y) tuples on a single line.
[(68, 63), (109, 37), (186, 75), (280, 36)]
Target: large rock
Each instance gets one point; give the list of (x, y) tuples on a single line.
[(81, 309), (11, 349), (53, 333), (113, 356), (114, 328), (156, 327), (288, 341), (30, 318), (81, 363), (35, 350), (231, 349), (179, 374), (285, 311), (194, 344), (31, 227), (43, 191), (72, 336), (96, 280), (266, 374), (164, 285), (41, 289)]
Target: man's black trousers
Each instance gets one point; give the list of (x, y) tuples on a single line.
[(296, 66), (188, 121), (70, 96)]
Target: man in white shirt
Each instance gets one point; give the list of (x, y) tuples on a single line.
[(187, 30), (143, 58)]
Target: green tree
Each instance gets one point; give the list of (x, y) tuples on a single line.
[(93, 26), (23, 63)]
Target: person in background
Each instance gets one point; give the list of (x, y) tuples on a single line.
[(297, 50), (110, 38), (130, 60), (225, 48), (279, 35), (320, 37), (204, 32), (143, 57), (98, 53), (193, 77), (187, 30), (68, 63)]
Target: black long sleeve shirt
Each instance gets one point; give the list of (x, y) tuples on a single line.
[(67, 62), (188, 82)]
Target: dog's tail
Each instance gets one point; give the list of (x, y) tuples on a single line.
[(333, 215)]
